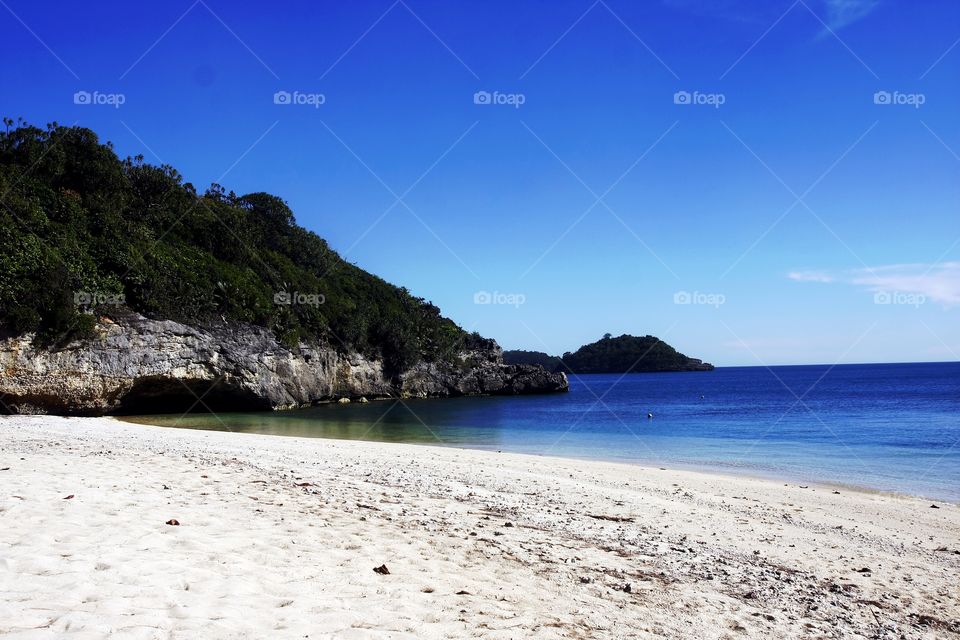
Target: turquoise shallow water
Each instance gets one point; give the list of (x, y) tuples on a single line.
[(890, 427)]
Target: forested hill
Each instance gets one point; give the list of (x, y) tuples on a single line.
[(625, 354), (545, 360), (83, 230)]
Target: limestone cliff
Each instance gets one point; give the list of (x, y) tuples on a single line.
[(139, 365)]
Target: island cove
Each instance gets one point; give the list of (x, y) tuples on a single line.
[(127, 291), (123, 289)]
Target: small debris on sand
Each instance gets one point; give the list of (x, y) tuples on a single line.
[(382, 570), (609, 518), (173, 522), (69, 497)]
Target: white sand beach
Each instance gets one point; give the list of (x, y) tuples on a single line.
[(279, 537)]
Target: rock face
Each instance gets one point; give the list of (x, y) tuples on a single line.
[(138, 365)]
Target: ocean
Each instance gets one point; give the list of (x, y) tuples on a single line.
[(887, 427)]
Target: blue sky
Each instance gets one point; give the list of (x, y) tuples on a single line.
[(765, 182)]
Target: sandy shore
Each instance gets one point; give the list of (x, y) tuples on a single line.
[(279, 537)]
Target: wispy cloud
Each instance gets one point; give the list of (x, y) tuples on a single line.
[(836, 14), (810, 276), (936, 282), (841, 13)]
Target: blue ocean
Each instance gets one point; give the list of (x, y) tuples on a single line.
[(888, 427)]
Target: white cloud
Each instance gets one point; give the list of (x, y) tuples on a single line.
[(938, 282), (837, 14), (840, 13)]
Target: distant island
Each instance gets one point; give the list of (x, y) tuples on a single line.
[(624, 354)]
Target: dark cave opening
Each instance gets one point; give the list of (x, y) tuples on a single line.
[(172, 395)]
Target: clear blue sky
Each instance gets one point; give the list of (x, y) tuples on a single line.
[(797, 203)]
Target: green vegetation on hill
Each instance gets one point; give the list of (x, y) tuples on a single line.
[(626, 354), (82, 229), (540, 358)]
